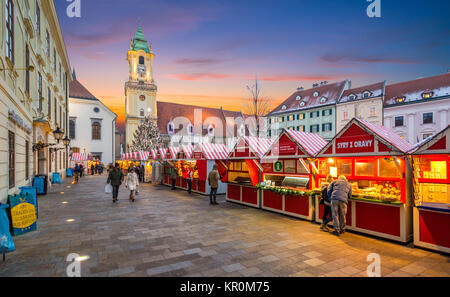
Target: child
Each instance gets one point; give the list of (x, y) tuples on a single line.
[(132, 183)]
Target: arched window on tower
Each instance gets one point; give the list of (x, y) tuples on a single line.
[(96, 130), (141, 60), (142, 113)]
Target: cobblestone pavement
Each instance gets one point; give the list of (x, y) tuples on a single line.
[(167, 233)]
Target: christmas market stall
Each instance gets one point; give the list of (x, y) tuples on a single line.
[(80, 158), (374, 161), (431, 167), (288, 177), (205, 156), (183, 163), (245, 171)]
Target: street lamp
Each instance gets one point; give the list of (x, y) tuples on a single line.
[(58, 134), (66, 141)]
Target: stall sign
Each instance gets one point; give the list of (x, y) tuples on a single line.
[(355, 144), (197, 155), (285, 147), (23, 214), (267, 167), (278, 166)]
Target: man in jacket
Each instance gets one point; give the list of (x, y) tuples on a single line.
[(173, 177), (115, 178), (339, 192), (213, 180)]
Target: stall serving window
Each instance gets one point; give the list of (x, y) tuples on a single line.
[(375, 178), (431, 174), (291, 173), (238, 173)]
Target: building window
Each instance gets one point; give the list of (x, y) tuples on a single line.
[(211, 130), (327, 112), (399, 121), (38, 19), (142, 113), (298, 98), (27, 159), (47, 42), (400, 99), (54, 59), (10, 30), (302, 104), (27, 72), (290, 118), (316, 94), (345, 115), (72, 126), (141, 60), (170, 128), (12, 159), (49, 104), (373, 111), (366, 94), (323, 99), (327, 127), (314, 129), (428, 118), (427, 95), (302, 128), (284, 107), (351, 97), (96, 109), (96, 131)]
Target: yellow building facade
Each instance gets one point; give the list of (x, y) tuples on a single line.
[(140, 89), (34, 78)]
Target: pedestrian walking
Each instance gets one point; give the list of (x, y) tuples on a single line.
[(327, 215), (213, 181), (132, 183), (81, 170), (115, 178), (76, 173), (92, 169), (173, 177), (141, 173), (190, 174), (339, 192)]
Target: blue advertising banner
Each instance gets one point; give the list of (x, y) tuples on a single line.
[(23, 213)]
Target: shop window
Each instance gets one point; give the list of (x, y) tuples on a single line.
[(428, 118), (399, 121), (389, 167), (96, 131), (344, 167), (12, 159), (432, 169), (365, 168)]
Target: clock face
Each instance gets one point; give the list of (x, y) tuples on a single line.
[(141, 69), (142, 98)]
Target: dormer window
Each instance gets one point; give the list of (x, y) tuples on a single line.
[(400, 99), (302, 104), (316, 94), (351, 97), (284, 107), (210, 130), (426, 95), (242, 130), (366, 94), (298, 98), (190, 129), (323, 99), (170, 128)]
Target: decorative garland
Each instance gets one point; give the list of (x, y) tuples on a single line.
[(282, 191)]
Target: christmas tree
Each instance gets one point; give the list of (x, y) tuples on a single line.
[(147, 136)]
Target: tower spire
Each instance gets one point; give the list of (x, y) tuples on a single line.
[(74, 75)]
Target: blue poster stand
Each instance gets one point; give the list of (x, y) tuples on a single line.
[(6, 241), (69, 172), (33, 192), (23, 214), (56, 179), (38, 184)]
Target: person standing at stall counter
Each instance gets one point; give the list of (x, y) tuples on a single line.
[(115, 178), (327, 215), (213, 180), (339, 192)]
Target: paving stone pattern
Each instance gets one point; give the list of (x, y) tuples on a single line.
[(169, 233)]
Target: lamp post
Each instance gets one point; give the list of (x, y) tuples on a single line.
[(66, 142)]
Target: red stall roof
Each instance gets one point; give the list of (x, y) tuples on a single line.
[(79, 157), (250, 146), (212, 151), (144, 156), (358, 136), (162, 152), (154, 153), (188, 150), (436, 144), (310, 144), (173, 150)]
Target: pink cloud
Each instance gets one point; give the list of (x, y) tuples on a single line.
[(198, 76)]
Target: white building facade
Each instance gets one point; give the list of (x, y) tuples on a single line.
[(92, 125), (419, 108)]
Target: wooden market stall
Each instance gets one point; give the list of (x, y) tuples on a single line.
[(245, 171), (431, 167), (289, 174), (373, 159), (80, 158)]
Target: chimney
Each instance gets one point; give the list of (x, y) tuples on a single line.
[(300, 89), (349, 84)]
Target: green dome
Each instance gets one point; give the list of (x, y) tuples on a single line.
[(139, 41)]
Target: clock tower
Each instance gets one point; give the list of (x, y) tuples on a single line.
[(140, 89)]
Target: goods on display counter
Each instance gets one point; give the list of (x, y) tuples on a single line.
[(431, 167), (289, 174), (245, 171), (374, 161)]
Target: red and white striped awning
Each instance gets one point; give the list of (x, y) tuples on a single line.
[(311, 143), (163, 153), (214, 151), (389, 136), (154, 153), (79, 157), (258, 144), (188, 150), (173, 150), (144, 156)]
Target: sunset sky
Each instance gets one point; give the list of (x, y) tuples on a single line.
[(207, 52)]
